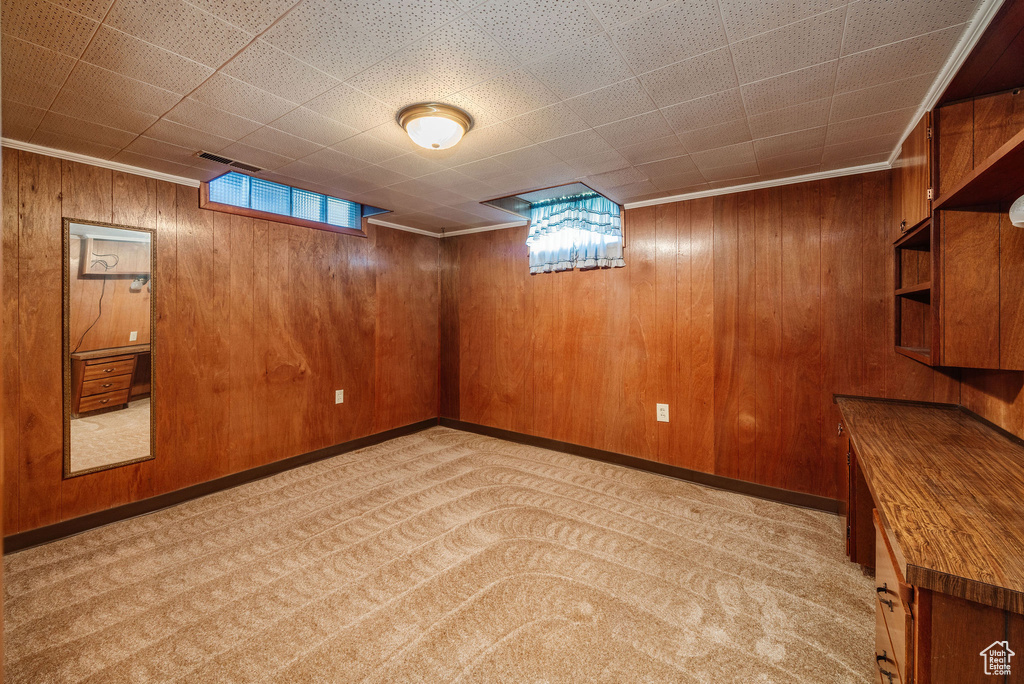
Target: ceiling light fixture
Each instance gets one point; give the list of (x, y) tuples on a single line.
[(435, 126), (1017, 212)]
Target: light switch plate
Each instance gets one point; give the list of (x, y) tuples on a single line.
[(133, 336), (339, 396), (662, 413)]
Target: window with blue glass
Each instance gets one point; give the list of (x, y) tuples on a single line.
[(239, 190)]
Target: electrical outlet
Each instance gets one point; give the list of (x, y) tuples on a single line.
[(339, 396), (662, 413), (133, 336)]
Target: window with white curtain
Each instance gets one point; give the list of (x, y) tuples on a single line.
[(583, 231)]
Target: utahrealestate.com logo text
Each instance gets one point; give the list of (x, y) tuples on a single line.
[(997, 658)]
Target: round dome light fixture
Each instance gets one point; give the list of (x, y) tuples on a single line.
[(435, 126), (1017, 212)]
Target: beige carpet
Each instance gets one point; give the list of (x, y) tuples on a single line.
[(447, 557), (99, 439)]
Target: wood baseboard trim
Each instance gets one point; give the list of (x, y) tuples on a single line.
[(67, 528), (786, 496)]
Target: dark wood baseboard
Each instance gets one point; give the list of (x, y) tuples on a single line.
[(67, 528), (760, 491)]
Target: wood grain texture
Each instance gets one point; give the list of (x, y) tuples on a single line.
[(994, 62), (970, 289), (744, 313), (257, 324), (955, 130), (947, 486)]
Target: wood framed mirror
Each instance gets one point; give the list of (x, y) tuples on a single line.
[(109, 345)]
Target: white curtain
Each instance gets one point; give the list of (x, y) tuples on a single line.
[(576, 232)]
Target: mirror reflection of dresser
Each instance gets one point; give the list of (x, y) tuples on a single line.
[(109, 378)]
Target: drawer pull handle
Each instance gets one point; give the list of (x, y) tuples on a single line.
[(108, 370), (104, 401), (888, 602), (108, 384)]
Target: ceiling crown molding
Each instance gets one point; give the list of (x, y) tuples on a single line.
[(96, 161)]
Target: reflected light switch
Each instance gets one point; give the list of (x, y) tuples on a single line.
[(662, 413), (133, 336), (339, 396)]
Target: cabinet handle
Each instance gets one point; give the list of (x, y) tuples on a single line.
[(108, 384), (885, 673), (108, 370), (839, 429), (104, 401), (884, 658), (884, 589), (889, 602), (903, 226)]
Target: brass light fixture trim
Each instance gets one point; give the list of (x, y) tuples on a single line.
[(436, 110)]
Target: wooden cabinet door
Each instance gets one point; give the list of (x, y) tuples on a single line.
[(912, 178)]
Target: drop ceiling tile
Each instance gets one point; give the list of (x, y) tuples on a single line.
[(812, 138), (612, 12), (253, 155), (511, 94), (94, 9), (177, 26), (493, 140), (877, 22), (449, 60), (790, 161), (577, 145), (788, 119), (482, 116), (870, 126), (85, 130), (703, 75), (745, 18), (210, 119), (531, 29), (702, 112), (779, 92), (454, 181), (137, 59), (411, 165), (251, 17), (484, 169), (671, 33), (735, 174), (352, 108), (312, 126), (855, 161), (32, 74), (161, 165), (334, 161), (858, 148), (368, 148), (731, 155), (73, 144), (526, 158), (280, 143), (635, 130), (397, 22), (620, 100), (581, 67), (673, 167), (47, 25), (613, 179), (555, 121), (908, 92), (720, 135), (795, 46), (20, 120), (319, 36), (158, 149), (175, 133), (240, 98), (924, 54), (89, 82), (679, 185), (653, 150), (417, 188), (103, 111), (270, 69), (388, 198), (381, 176)]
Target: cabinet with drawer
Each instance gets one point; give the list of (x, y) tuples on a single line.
[(106, 379)]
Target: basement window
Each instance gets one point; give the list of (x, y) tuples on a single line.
[(238, 193)]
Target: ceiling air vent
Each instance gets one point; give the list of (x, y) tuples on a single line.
[(228, 162)]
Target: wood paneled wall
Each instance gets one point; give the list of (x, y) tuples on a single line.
[(743, 312), (257, 324)]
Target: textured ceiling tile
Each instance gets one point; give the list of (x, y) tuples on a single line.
[(788, 119), (924, 54), (454, 181), (32, 74), (47, 25), (161, 165), (397, 22), (210, 119), (612, 12), (743, 172), (813, 138), (278, 142), (741, 153), (719, 135), (547, 123), (653, 150), (613, 179), (352, 108), (251, 17), (633, 192), (812, 83), (531, 29), (73, 144), (91, 82), (679, 185), (875, 158), (877, 22), (312, 126), (102, 111), (484, 169), (449, 60), (621, 100), (870, 126), (790, 161), (94, 9), (694, 78), (319, 36), (745, 18), (86, 130), (635, 130), (672, 33), (578, 145), (240, 98), (511, 94), (705, 111), (179, 27), (20, 120), (380, 176), (354, 184), (673, 167), (527, 157), (584, 66), (411, 165), (270, 69), (803, 44), (368, 148), (334, 161), (252, 155), (129, 56), (908, 92), (158, 149), (481, 116), (858, 148), (175, 133)]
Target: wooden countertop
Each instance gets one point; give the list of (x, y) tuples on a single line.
[(113, 351), (950, 491)]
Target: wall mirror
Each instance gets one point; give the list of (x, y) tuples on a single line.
[(109, 300)]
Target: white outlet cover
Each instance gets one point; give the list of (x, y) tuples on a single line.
[(339, 396), (133, 336), (662, 413)]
